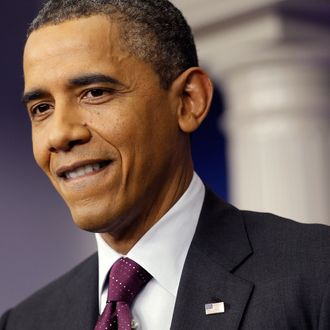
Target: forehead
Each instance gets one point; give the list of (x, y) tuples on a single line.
[(75, 33), (91, 42)]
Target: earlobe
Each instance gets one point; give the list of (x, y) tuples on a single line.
[(196, 93)]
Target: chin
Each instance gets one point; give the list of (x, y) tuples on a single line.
[(91, 222)]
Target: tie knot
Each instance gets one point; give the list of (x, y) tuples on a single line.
[(126, 280)]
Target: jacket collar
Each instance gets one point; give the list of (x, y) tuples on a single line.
[(83, 310), (219, 246)]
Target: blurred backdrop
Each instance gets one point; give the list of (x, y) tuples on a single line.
[(264, 146)]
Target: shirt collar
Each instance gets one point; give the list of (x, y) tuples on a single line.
[(163, 249)]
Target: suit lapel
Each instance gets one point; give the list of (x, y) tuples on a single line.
[(81, 310), (219, 246)]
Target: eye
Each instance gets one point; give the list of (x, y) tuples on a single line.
[(40, 109), (97, 96), (97, 92)]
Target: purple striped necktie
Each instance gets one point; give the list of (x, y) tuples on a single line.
[(126, 280)]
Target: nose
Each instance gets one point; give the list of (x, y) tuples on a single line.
[(67, 130)]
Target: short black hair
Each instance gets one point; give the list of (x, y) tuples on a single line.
[(154, 31)]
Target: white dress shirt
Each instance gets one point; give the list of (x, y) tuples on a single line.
[(162, 252)]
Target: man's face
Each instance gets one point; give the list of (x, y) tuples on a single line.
[(103, 130)]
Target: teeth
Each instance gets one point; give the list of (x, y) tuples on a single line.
[(81, 171), (72, 175), (96, 167), (89, 169)]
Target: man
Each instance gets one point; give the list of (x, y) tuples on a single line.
[(113, 90)]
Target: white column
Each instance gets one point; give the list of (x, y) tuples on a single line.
[(272, 59), (278, 126)]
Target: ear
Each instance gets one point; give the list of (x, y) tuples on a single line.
[(195, 90)]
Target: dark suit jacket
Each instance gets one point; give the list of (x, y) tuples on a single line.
[(271, 273)]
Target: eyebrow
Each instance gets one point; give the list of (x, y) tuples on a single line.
[(89, 79), (83, 80), (34, 94)]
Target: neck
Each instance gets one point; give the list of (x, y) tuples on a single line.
[(123, 241)]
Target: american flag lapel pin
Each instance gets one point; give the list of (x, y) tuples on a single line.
[(215, 308)]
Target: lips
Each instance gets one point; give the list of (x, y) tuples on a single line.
[(81, 169)]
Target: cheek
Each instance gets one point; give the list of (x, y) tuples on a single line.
[(40, 150), (119, 128)]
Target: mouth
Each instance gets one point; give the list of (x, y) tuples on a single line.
[(80, 170)]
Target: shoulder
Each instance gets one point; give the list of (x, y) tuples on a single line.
[(53, 291), (284, 251), (285, 262), (269, 231), (52, 300), (290, 268), (277, 246), (265, 230)]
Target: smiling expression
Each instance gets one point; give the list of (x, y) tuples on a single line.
[(103, 129)]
